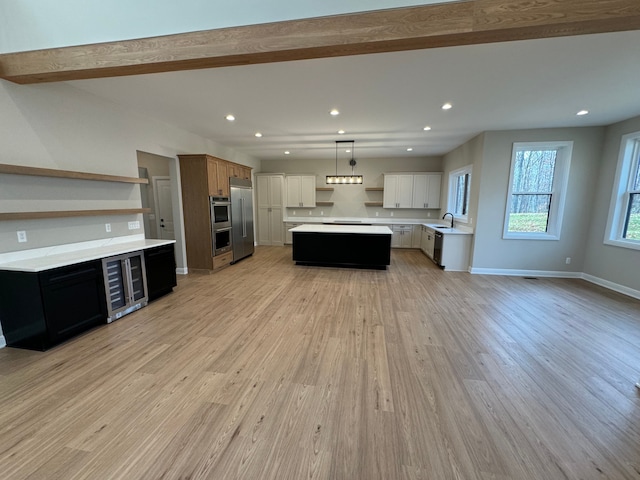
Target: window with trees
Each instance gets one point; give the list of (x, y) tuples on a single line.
[(623, 225), (537, 187), (459, 191)]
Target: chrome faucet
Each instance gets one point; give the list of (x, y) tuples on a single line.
[(449, 213)]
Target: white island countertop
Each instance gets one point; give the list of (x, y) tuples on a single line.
[(47, 258), (358, 229)]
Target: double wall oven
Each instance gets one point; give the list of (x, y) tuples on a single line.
[(221, 224)]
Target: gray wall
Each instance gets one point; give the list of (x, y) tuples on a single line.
[(490, 250), (349, 199), (60, 127), (614, 264)]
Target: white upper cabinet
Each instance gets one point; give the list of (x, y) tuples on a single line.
[(412, 190), (426, 190), (301, 191), (398, 191)]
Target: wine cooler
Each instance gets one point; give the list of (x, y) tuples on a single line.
[(125, 283)]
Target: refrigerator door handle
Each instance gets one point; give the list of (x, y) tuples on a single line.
[(244, 220)]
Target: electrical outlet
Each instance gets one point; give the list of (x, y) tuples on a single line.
[(568, 260), (309, 212), (294, 213), (22, 236), (322, 213), (428, 214), (107, 227), (392, 214), (377, 213)]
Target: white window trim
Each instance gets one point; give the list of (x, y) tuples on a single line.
[(451, 201), (618, 205), (560, 183)]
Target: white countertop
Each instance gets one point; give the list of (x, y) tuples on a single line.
[(47, 258), (358, 229), (433, 224)]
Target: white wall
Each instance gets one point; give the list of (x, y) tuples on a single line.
[(618, 265), (491, 251), (58, 126), (349, 199), (36, 24)]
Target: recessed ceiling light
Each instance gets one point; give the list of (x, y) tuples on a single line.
[(230, 117), (340, 132), (258, 134), (447, 106), (427, 128), (409, 149), (334, 112), (583, 112), (287, 152)]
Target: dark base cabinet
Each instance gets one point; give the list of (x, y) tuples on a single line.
[(352, 250), (39, 310), (161, 270)]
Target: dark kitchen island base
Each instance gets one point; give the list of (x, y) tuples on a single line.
[(332, 248)]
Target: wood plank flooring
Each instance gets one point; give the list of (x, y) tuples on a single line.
[(267, 370)]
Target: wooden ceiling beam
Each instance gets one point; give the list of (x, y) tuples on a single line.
[(411, 28)]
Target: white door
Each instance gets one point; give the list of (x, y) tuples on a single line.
[(164, 207)]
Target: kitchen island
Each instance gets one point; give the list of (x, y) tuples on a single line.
[(356, 246)]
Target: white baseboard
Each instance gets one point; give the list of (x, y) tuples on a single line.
[(182, 271), (3, 342), (525, 273), (612, 286), (557, 274)]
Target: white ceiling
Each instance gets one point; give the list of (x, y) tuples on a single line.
[(386, 99)]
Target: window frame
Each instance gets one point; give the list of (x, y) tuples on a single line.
[(564, 151), (453, 190), (628, 162)]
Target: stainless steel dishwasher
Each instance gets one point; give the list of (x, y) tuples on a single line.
[(437, 248)]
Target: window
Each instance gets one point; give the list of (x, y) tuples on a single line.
[(537, 186), (459, 190), (623, 224)]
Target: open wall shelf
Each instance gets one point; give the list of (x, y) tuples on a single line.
[(71, 213), (48, 172)]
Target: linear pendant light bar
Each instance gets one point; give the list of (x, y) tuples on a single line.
[(345, 179)]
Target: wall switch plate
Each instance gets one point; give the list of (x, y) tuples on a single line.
[(22, 236), (568, 260), (107, 227), (309, 212), (134, 225)]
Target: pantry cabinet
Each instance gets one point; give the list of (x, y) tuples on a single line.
[(270, 200)]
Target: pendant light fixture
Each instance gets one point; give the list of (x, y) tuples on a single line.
[(345, 179)]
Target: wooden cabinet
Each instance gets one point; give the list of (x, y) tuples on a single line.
[(398, 191), (218, 177), (39, 310), (301, 191), (426, 190), (412, 190), (160, 264), (270, 200), (202, 176), (239, 171)]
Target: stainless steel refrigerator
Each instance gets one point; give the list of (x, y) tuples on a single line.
[(241, 218)]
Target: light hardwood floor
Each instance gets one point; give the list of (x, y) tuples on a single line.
[(267, 370)]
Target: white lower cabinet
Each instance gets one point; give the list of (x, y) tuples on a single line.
[(288, 236), (427, 241), (402, 236)]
